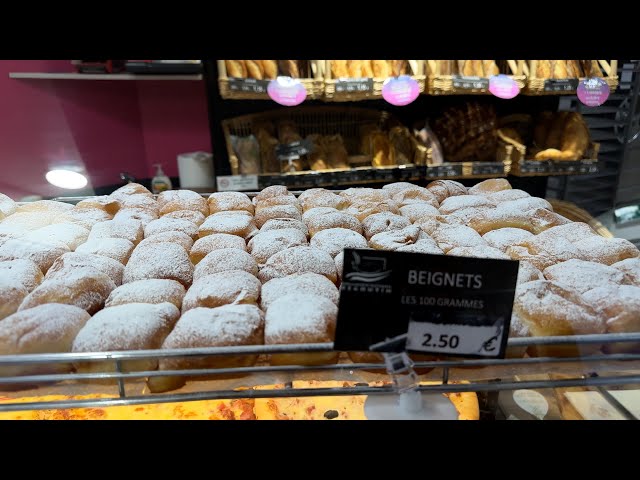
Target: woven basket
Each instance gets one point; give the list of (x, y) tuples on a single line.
[(590, 157), (330, 94), (577, 214), (313, 86), (438, 84), (535, 86)]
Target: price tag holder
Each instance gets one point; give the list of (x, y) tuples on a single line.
[(445, 170), (561, 85), (294, 150), (250, 85), (353, 85), (470, 83), (443, 304), (234, 183), (488, 168)]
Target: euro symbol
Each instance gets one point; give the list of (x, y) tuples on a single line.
[(488, 345)]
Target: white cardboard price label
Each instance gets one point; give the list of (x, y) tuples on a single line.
[(454, 339), (232, 183)]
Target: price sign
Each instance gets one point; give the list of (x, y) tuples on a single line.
[(503, 86), (287, 91), (294, 150), (400, 91), (593, 92), (351, 85), (233, 183), (250, 85), (445, 170), (444, 305), (488, 168), (561, 85), (470, 83)]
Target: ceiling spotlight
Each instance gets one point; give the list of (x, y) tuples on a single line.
[(64, 178)]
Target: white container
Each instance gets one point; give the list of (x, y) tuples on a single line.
[(196, 171)]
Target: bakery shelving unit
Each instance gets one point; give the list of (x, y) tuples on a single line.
[(484, 375)]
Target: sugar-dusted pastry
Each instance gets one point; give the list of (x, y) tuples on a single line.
[(430, 224), (452, 236), (22, 271), (224, 288), (524, 204), (147, 291), (171, 236), (383, 222), (189, 215), (226, 326), (175, 200), (423, 245), (630, 267), (339, 261), (478, 252), (365, 194), (42, 255), (465, 215), (320, 197), (394, 239), (74, 261), (234, 224), (276, 211), (278, 201), (502, 238), (619, 305), (67, 233), (415, 194), (335, 240), (118, 249), (225, 260), (573, 232), (517, 329), (535, 221), (324, 220), (549, 309), (105, 203), (134, 326), (266, 244), (142, 215), (303, 283), (48, 328), (490, 186), (312, 212), (140, 203), (451, 204), (396, 187), (543, 252), (44, 207), (298, 260), (12, 293), (446, 188), (315, 322), (7, 205), (86, 288), (581, 276), (280, 223), (528, 273), (23, 222), (229, 201), (271, 192), (84, 217), (362, 209), (216, 241), (131, 189), (165, 224), (606, 250), (128, 229), (416, 211), (507, 195), (159, 260)]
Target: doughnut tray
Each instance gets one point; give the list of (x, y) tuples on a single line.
[(129, 388)]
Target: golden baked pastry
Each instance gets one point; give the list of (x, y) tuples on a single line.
[(236, 68), (568, 138), (280, 223), (339, 69), (44, 207), (131, 230), (443, 189), (451, 204), (190, 215), (383, 222), (452, 236), (303, 283), (606, 250), (152, 291), (234, 224), (118, 249), (254, 69), (224, 288), (165, 224), (175, 200), (362, 209), (104, 202), (42, 255), (225, 260), (159, 260), (25, 272), (630, 267), (319, 197), (277, 211), (170, 236), (581, 276), (298, 260), (269, 68), (142, 215), (12, 293), (394, 239), (415, 194), (225, 201), (205, 245), (502, 238), (76, 261), (318, 219), (489, 186), (335, 240), (131, 189), (265, 244)]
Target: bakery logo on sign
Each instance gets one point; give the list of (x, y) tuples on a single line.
[(369, 271)]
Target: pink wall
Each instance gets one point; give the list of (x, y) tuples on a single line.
[(105, 126)]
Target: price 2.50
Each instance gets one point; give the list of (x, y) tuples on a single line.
[(443, 341)]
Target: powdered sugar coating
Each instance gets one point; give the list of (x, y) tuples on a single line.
[(319, 219), (276, 211), (47, 328), (7, 205), (304, 283), (339, 261), (282, 200), (159, 260), (22, 271), (446, 188), (27, 221), (452, 204), (431, 224), (425, 245), (205, 245), (415, 194), (298, 260), (505, 237), (217, 327), (170, 236), (280, 223), (225, 260), (175, 200), (518, 328), (573, 232), (582, 276), (78, 260), (153, 291), (464, 215), (272, 191), (620, 307), (41, 254), (67, 233), (507, 195), (266, 244), (229, 201), (103, 202), (224, 288), (630, 267), (189, 215), (300, 318), (131, 230), (417, 211), (319, 197), (526, 204), (383, 222), (12, 293), (490, 185), (558, 248), (394, 239), (85, 217), (86, 288), (118, 249), (527, 272), (606, 250), (317, 211), (166, 224), (550, 309), (140, 202), (506, 215), (142, 215), (335, 240), (451, 236), (44, 206), (366, 195), (134, 326), (397, 187), (236, 224), (362, 209), (478, 252), (131, 189)]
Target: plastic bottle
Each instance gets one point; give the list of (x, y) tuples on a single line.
[(160, 182)]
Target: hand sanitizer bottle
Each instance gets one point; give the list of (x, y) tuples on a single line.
[(160, 182)]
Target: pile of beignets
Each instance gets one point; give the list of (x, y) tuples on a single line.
[(129, 271)]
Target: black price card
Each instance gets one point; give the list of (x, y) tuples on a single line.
[(445, 305), (470, 83), (561, 85), (294, 150), (248, 85), (354, 85), (488, 168), (445, 170)]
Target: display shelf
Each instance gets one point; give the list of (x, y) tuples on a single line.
[(531, 168), (99, 76)]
